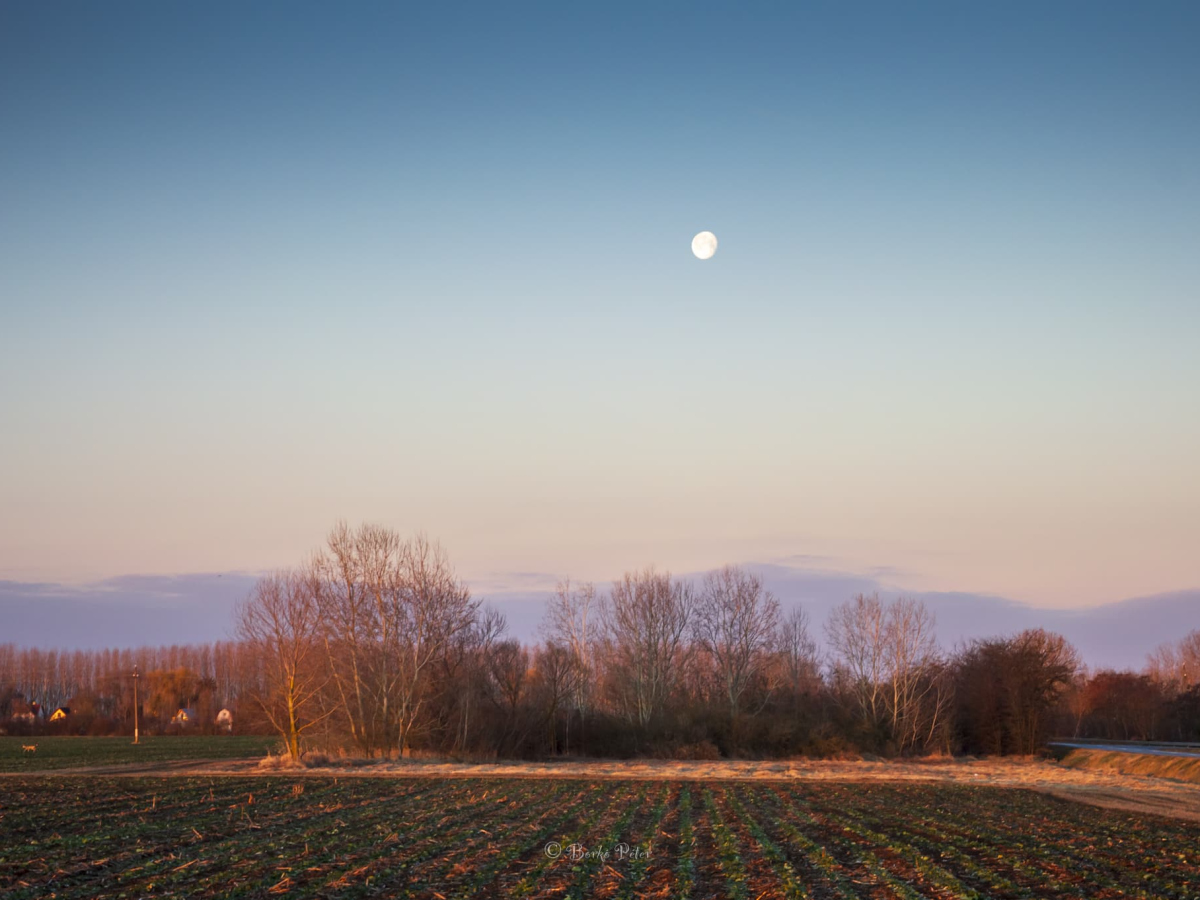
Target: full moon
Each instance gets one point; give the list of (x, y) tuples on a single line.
[(704, 245)]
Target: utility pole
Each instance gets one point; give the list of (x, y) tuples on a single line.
[(135, 704)]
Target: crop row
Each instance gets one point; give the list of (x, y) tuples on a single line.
[(463, 838)]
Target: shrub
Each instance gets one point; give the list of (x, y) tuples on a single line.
[(316, 759)]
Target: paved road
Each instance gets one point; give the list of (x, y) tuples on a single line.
[(1186, 752)]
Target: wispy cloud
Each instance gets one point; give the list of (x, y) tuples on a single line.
[(165, 609), (123, 611)]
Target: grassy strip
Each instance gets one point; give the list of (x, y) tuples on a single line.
[(1176, 768), (56, 752)]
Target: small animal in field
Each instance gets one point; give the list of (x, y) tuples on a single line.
[(29, 748)]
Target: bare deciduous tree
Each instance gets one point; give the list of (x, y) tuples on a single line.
[(918, 699), (508, 685), (857, 633), (391, 608), (463, 672), (1176, 666), (648, 615), (887, 654), (735, 623), (431, 608), (572, 622), (346, 611), (556, 674), (280, 622), (798, 652)]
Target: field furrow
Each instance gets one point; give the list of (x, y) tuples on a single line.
[(113, 838)]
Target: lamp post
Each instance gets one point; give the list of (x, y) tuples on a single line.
[(135, 704)]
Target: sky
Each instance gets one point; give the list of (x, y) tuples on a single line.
[(265, 267)]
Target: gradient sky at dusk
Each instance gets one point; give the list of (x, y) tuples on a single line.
[(265, 267)]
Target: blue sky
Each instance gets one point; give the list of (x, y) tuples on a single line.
[(266, 268)]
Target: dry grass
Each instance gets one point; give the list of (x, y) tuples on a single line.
[(1173, 767), (312, 759), (1134, 792), (274, 763)]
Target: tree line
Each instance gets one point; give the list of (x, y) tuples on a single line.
[(375, 645), (97, 687)]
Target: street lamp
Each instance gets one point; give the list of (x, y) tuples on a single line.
[(135, 704)]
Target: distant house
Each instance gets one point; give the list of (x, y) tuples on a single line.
[(225, 720), (59, 714), (185, 716), (24, 712)]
